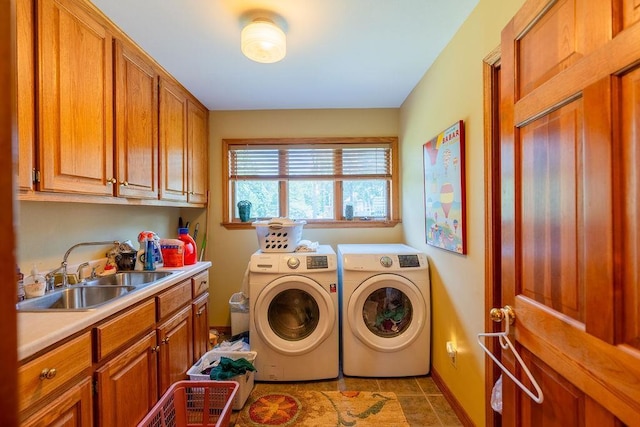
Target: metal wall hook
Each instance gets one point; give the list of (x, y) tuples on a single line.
[(503, 337)]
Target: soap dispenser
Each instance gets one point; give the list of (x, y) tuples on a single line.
[(34, 284)]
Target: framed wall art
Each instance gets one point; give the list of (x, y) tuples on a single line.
[(444, 190)]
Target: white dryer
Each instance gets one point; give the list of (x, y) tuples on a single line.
[(386, 310), (294, 317)]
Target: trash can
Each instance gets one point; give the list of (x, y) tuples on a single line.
[(239, 308)]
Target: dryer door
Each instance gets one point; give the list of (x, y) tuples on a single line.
[(387, 312), (294, 314)]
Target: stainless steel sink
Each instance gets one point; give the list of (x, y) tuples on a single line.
[(76, 298), (128, 278)]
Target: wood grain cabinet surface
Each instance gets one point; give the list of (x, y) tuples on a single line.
[(127, 385), (71, 408), (75, 108), (105, 123), (175, 338), (136, 102), (48, 374)]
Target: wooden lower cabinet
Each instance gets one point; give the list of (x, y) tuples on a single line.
[(200, 308), (175, 338), (134, 357), (71, 408), (126, 386)]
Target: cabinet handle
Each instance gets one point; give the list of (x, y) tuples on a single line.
[(165, 340), (155, 349), (112, 181), (47, 374), (199, 313), (124, 184)]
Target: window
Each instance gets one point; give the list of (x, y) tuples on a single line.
[(341, 181)]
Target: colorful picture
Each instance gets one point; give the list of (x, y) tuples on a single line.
[(444, 189)]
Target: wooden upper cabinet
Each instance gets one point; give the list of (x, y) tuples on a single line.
[(26, 89), (198, 149), (75, 100), (136, 109), (173, 142)]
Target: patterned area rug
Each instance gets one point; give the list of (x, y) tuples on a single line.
[(322, 408)]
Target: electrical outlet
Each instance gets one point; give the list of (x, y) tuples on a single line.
[(452, 352)]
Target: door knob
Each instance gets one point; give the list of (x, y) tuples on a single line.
[(499, 314)]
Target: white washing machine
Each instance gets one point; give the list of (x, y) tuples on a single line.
[(294, 317), (386, 310)]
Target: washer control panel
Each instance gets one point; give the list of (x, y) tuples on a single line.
[(324, 259)]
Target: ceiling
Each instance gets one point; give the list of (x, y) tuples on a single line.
[(340, 53)]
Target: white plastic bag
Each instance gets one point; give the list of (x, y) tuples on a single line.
[(496, 396)]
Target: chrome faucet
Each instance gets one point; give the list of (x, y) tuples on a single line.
[(63, 264)]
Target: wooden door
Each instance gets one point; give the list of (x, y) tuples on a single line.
[(127, 386), (8, 215), (136, 85), (176, 348), (570, 149), (198, 146), (173, 142), (75, 104)]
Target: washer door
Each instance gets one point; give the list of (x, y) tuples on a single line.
[(387, 312), (293, 315)]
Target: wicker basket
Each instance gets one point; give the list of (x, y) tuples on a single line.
[(193, 403), (279, 234)]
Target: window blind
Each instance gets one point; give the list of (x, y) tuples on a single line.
[(347, 161)]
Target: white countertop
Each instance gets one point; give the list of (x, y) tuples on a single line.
[(39, 330)]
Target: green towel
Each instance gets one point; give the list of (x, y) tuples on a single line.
[(228, 368)]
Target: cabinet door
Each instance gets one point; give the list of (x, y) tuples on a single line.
[(136, 127), (26, 88), (176, 348), (127, 386), (200, 326), (198, 153), (46, 375), (75, 100), (173, 142), (72, 408)]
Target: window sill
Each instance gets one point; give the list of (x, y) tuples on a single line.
[(323, 224)]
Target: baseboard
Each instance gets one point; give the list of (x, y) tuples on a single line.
[(453, 402)]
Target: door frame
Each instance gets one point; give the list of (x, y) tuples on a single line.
[(493, 288)]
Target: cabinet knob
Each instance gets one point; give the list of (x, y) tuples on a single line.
[(155, 349), (165, 340), (112, 181), (199, 313), (124, 183), (47, 374)]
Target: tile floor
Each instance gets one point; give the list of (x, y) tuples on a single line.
[(422, 402)]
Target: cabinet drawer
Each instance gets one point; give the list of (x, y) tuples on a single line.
[(200, 283), (171, 300), (42, 376), (111, 335)]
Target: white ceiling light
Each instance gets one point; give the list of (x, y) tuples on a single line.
[(263, 41)]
